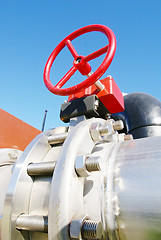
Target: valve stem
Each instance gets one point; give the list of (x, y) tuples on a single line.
[(98, 84)]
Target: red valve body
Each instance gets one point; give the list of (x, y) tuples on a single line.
[(110, 96)]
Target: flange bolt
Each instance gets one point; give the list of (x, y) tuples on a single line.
[(128, 137), (91, 230), (118, 125), (93, 164)]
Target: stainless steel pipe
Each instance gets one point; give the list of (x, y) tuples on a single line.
[(134, 190), (122, 189)]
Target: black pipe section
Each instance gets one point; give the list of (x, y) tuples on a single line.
[(142, 115)]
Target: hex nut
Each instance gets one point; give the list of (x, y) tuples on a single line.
[(102, 132), (94, 131), (75, 229), (118, 125), (13, 154), (80, 166), (107, 129), (128, 137), (121, 137)]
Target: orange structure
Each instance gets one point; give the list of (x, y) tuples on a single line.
[(14, 133)]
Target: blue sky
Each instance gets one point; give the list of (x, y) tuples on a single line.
[(30, 30)]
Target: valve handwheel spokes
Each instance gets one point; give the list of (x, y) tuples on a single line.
[(81, 63)]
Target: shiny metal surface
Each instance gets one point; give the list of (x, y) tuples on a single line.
[(32, 223), (20, 187), (75, 227), (99, 85), (92, 230), (120, 187), (98, 131), (137, 181), (41, 169), (8, 157), (118, 125), (58, 138), (27, 195), (80, 166), (93, 164), (66, 201)]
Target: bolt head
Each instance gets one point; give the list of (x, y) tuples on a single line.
[(13, 154)]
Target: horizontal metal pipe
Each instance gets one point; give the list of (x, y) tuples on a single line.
[(32, 223), (41, 169), (133, 197), (57, 138)]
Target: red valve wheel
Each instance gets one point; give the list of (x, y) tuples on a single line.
[(80, 63)]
